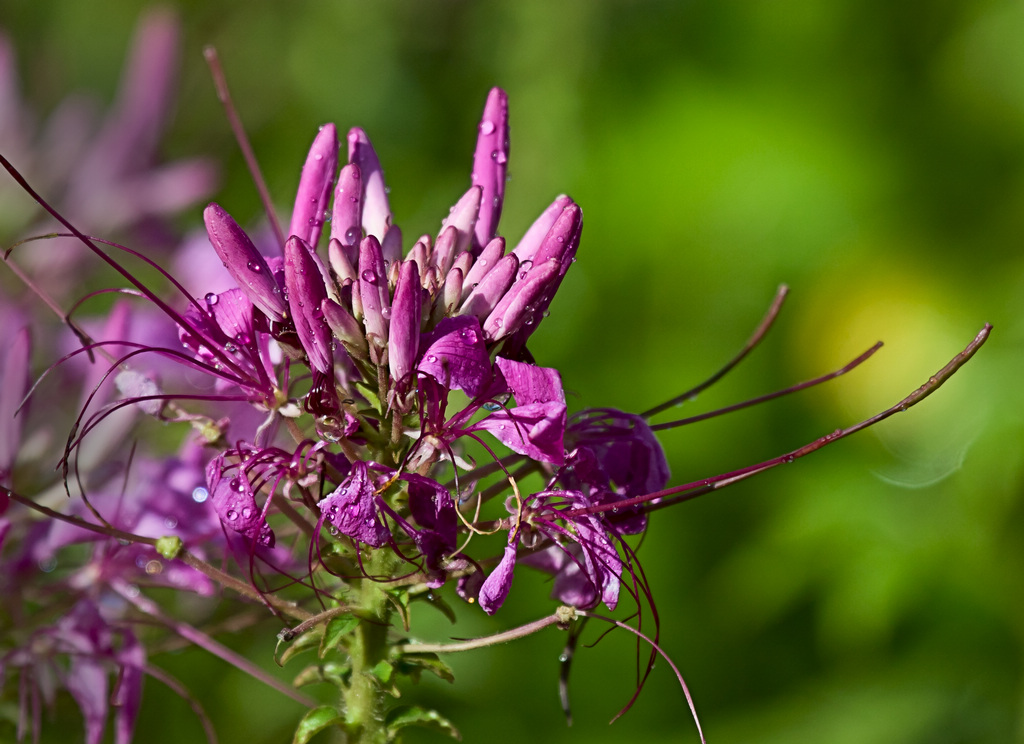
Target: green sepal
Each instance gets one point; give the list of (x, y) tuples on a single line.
[(334, 673), (413, 715), (337, 628), (169, 546), (411, 665), (315, 721)]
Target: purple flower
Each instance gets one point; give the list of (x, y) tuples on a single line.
[(580, 552), (103, 172), (95, 649)]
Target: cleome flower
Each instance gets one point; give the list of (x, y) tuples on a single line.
[(362, 413)]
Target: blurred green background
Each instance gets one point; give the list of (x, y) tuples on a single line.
[(870, 154)]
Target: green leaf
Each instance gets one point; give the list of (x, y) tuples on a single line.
[(383, 671), (304, 642), (315, 721), (337, 628), (413, 715), (411, 664)]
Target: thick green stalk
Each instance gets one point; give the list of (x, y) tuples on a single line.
[(365, 696)]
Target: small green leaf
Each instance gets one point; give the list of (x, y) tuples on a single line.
[(331, 672), (383, 671), (411, 664), (337, 628), (413, 715), (169, 546), (315, 721)]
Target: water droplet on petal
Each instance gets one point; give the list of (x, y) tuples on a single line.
[(211, 299), (487, 127), (232, 515), (254, 266), (247, 512), (368, 276)]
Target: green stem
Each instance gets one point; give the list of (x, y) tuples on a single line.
[(368, 647)]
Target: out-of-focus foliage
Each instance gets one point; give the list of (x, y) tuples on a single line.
[(869, 154)]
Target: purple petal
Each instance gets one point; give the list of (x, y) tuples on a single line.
[(530, 383), (245, 264), (456, 356), (376, 213), (352, 508), (14, 379), (87, 683), (432, 507), (490, 164), (132, 659), (306, 293), (496, 586), (235, 503), (535, 430), (315, 185), (404, 329)]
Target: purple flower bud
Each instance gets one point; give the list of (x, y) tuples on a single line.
[(373, 293), (347, 215), (444, 249), (519, 302), (490, 164), (352, 508), (539, 229), (562, 237), (421, 253), (462, 217), (482, 300), (404, 329), (463, 262), (306, 293), (341, 262), (486, 261), (391, 245), (376, 213), (245, 264), (451, 293), (346, 329), (496, 586), (315, 185)]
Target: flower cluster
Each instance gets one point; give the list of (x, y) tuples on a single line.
[(363, 417)]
